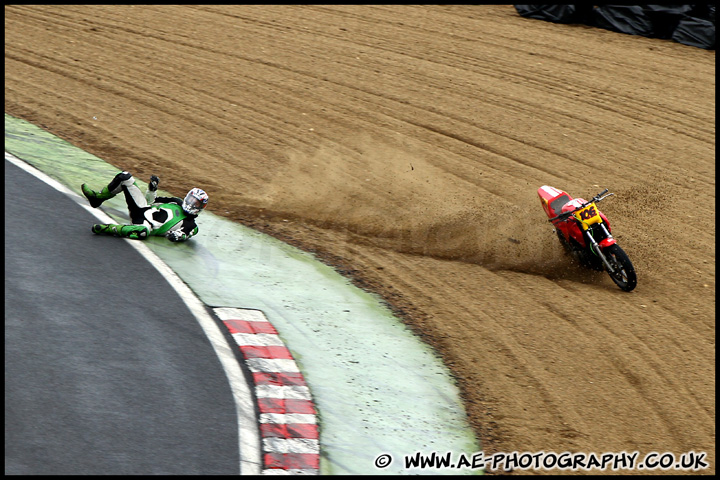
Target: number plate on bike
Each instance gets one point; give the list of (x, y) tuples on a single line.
[(589, 215)]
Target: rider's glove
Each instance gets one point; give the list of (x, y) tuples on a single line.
[(175, 235), (154, 182)]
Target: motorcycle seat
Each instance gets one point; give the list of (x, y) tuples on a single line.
[(557, 204)]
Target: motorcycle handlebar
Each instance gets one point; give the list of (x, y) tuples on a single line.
[(562, 216), (601, 196), (596, 198)]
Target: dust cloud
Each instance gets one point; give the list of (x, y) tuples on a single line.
[(393, 196)]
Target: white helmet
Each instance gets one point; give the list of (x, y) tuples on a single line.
[(195, 201)]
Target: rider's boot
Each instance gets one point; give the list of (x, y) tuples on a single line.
[(135, 232), (113, 188)]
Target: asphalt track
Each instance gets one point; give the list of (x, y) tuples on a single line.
[(106, 369)]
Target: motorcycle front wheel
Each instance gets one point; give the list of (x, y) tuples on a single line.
[(624, 275)]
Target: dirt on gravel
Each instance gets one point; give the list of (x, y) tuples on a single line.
[(405, 145)]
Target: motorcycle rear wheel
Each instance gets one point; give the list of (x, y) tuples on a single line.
[(624, 276), (566, 246)]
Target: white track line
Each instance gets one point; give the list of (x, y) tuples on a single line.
[(249, 435)]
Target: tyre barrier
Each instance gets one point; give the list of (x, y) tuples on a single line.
[(286, 413)]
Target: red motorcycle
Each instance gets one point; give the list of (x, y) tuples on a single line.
[(584, 231)]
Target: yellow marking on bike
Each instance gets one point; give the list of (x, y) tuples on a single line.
[(588, 215)]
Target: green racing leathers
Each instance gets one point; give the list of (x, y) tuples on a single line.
[(150, 215)]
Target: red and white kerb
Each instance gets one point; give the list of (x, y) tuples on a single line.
[(288, 420)]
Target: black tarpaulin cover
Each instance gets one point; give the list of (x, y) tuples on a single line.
[(696, 32), (622, 18), (656, 21), (665, 18), (689, 24), (555, 13)]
